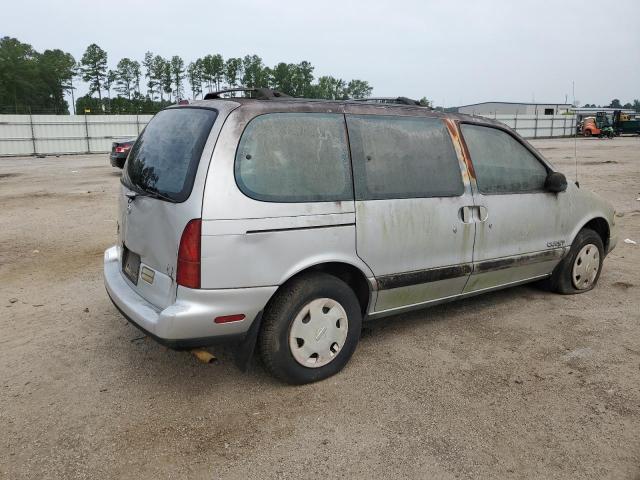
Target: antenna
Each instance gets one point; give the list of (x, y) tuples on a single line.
[(575, 130)]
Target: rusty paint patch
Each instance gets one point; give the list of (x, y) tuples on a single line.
[(456, 133), (461, 147), (457, 146)]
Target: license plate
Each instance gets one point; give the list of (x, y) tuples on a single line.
[(130, 265)]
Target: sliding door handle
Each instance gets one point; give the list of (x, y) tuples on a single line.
[(466, 214), (473, 213)]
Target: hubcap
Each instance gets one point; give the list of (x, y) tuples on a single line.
[(586, 266), (318, 332)]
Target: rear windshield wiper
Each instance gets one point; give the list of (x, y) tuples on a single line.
[(152, 193)]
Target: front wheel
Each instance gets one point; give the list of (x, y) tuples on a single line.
[(310, 329), (580, 270)]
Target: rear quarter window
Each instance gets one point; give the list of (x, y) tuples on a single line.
[(165, 157), (294, 157)]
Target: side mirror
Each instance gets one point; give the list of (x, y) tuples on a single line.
[(556, 182)]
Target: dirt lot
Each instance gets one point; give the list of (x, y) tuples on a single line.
[(519, 383)]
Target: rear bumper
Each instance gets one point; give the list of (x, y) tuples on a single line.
[(117, 159), (189, 321)]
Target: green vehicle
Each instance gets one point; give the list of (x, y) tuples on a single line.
[(625, 123)]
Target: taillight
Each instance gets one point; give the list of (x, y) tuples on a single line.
[(188, 274), (122, 149)]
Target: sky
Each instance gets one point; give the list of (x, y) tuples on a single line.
[(453, 52)]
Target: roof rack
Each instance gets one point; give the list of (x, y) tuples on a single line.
[(258, 93), (392, 100), (269, 94)]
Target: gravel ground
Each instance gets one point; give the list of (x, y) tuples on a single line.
[(517, 384)]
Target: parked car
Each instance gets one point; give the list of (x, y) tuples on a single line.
[(287, 223), (119, 152)]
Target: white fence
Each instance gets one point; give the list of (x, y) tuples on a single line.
[(60, 134), (539, 126)]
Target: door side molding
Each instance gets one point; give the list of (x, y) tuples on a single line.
[(416, 277), (518, 260)]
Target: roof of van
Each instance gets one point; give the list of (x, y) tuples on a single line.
[(295, 104), (266, 100)]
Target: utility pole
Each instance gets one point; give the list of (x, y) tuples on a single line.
[(73, 100)]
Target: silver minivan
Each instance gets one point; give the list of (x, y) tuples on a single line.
[(282, 224)]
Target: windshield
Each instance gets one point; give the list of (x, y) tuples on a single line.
[(165, 157)]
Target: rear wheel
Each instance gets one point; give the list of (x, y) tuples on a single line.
[(580, 270), (310, 329), (587, 133)]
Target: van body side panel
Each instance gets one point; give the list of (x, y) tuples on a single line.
[(271, 257), (411, 236), (523, 223), (524, 235)]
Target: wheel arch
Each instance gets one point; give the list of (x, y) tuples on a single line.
[(348, 273), (601, 227)]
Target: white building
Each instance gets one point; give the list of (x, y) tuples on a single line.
[(487, 109)]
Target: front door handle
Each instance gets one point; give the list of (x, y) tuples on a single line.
[(481, 213)]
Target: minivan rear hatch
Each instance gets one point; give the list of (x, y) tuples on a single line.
[(162, 186)]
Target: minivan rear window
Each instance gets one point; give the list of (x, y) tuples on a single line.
[(165, 158)]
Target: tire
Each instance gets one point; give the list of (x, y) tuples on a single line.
[(587, 133), (585, 260), (287, 347)]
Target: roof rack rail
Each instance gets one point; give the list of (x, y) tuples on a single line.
[(391, 100), (258, 93)]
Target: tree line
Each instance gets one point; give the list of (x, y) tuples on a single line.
[(28, 77), (615, 103), (159, 79), (34, 82), (38, 81)]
